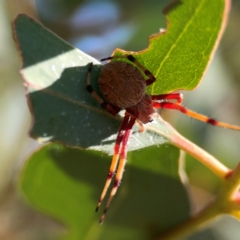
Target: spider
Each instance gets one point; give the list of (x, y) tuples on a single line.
[(123, 86)]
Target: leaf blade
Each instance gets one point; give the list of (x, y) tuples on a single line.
[(68, 191), (180, 56), (55, 83)]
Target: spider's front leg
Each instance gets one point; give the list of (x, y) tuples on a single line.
[(161, 102), (110, 108), (176, 97)]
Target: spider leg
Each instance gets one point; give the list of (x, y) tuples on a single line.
[(190, 113), (115, 159), (110, 108), (120, 169), (131, 58), (178, 97)]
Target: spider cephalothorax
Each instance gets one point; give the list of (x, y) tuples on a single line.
[(123, 86)]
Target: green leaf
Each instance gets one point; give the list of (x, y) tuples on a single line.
[(179, 56), (66, 183), (55, 79)]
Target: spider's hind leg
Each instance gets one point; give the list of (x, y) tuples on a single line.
[(115, 159), (126, 128)]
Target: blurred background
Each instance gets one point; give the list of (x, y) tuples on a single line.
[(97, 28)]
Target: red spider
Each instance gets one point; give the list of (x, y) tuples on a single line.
[(123, 86)]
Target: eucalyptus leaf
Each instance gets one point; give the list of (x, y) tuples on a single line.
[(55, 76), (59, 182), (179, 55)]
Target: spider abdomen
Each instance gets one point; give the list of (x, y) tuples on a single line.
[(122, 84)]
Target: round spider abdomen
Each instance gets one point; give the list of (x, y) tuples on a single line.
[(122, 84)]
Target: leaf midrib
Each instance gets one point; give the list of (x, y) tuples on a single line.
[(66, 98), (175, 44)]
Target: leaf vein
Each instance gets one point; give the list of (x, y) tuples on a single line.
[(177, 40)]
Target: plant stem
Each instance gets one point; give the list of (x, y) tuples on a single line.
[(192, 149), (198, 153), (225, 202), (192, 223)]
